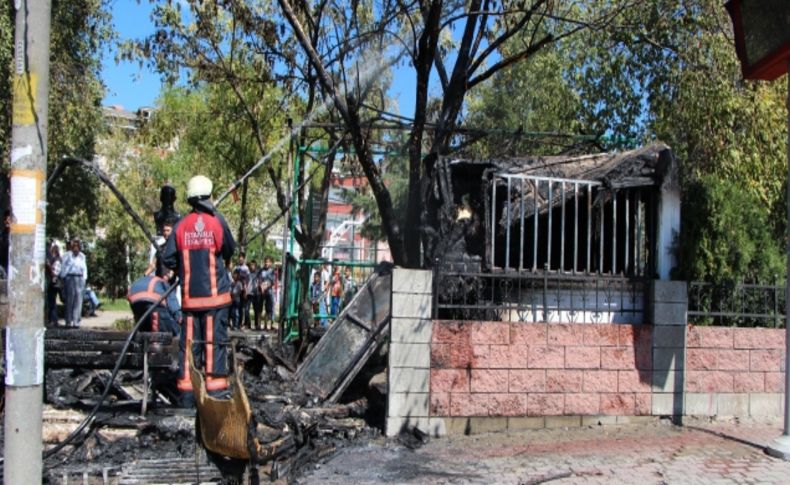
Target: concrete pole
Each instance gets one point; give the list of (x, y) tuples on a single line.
[(27, 247), (780, 447)]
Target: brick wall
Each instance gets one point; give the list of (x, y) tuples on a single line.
[(734, 371), (531, 369), (448, 377)]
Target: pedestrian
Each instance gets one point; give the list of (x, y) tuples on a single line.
[(92, 299), (244, 278), (53, 267), (254, 294), (236, 289), (316, 294), (266, 285), (349, 286), (336, 293), (155, 265), (74, 273), (326, 283), (199, 249)]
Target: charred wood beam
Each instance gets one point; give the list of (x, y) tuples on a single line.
[(83, 335), (89, 360)]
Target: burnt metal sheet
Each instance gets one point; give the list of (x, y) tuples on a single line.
[(353, 337)]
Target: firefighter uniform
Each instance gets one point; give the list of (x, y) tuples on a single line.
[(147, 291), (196, 249)]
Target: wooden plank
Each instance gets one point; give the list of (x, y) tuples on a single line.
[(89, 346), (80, 335), (88, 360)]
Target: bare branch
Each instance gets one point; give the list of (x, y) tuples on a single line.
[(510, 60)]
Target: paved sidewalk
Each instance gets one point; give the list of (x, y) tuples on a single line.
[(701, 453), (103, 319)]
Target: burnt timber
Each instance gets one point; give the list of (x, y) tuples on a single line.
[(478, 210)]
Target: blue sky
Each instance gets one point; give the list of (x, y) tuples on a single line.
[(127, 83), (132, 86)]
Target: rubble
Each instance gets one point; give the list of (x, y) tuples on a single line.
[(297, 428)]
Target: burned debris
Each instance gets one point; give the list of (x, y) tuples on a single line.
[(288, 428), (284, 418), (501, 231), (528, 214)]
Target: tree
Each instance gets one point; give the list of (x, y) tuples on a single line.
[(728, 244), (521, 116), (79, 29), (669, 73), (214, 138), (419, 27), (6, 56), (231, 49)]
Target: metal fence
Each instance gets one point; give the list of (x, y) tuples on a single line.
[(571, 225), (295, 290), (742, 305), (538, 297)]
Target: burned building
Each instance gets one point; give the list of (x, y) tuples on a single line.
[(580, 222)]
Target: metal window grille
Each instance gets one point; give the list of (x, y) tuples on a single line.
[(569, 226)]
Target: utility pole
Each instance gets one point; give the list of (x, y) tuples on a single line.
[(27, 248)]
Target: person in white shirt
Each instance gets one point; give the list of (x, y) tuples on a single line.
[(74, 273)]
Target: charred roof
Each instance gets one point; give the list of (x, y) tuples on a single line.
[(651, 165)]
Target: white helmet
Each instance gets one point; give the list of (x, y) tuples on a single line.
[(200, 187)]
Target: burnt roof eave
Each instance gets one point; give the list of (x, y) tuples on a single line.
[(651, 165)]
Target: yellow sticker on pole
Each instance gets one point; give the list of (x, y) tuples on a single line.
[(25, 86), (25, 196)]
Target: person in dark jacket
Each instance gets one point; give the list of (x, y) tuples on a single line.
[(147, 291), (199, 248)]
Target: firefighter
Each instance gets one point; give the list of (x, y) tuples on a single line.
[(147, 291), (199, 248)]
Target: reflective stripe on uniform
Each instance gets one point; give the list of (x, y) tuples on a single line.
[(216, 383), (209, 344), (187, 273), (206, 302), (185, 382)]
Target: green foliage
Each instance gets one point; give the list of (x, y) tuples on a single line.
[(723, 235), (109, 268), (124, 324), (667, 70), (532, 97), (6, 56), (80, 29)]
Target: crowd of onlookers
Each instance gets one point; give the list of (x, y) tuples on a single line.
[(330, 292), (253, 288)]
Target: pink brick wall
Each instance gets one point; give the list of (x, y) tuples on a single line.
[(727, 359), (534, 369)]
